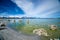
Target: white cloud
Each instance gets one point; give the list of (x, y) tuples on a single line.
[(29, 9), (48, 13)]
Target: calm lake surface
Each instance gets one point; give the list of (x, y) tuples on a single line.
[(14, 23), (27, 26)]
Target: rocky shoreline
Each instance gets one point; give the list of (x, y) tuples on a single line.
[(10, 34)]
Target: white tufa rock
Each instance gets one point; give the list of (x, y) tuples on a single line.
[(40, 32)]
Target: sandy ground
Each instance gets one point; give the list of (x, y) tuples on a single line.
[(10, 34)]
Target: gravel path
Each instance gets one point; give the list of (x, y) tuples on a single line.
[(10, 34)]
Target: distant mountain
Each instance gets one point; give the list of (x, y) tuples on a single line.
[(25, 18), (19, 17)]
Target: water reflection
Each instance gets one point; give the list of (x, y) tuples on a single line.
[(28, 25)]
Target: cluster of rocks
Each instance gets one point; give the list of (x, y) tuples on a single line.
[(44, 34), (40, 32)]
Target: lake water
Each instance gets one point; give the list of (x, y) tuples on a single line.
[(27, 25), (13, 23)]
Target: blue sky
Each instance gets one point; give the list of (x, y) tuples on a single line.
[(30, 8)]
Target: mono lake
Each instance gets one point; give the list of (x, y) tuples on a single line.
[(26, 26)]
